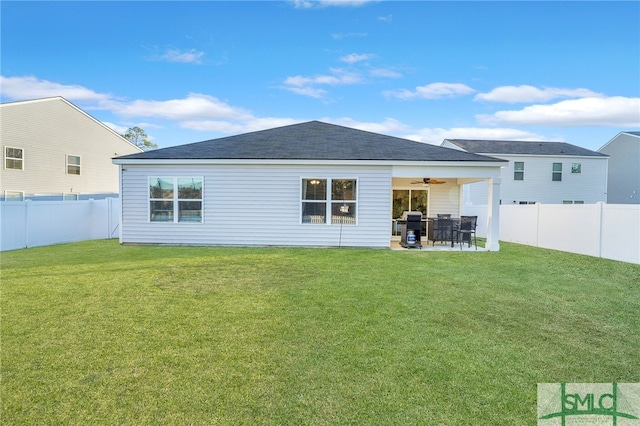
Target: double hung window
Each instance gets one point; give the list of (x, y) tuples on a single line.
[(73, 164), (175, 199), (518, 170), (556, 173), (13, 158), (334, 197)]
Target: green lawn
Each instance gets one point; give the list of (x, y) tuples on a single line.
[(98, 333)]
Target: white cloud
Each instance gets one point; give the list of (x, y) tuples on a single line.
[(30, 87), (190, 56), (308, 86), (436, 135), (357, 57), (340, 36), (431, 91), (389, 126), (307, 4), (387, 18), (385, 72), (593, 111), (229, 127), (194, 106), (529, 94)]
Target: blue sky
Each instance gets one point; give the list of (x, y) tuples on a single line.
[(423, 70)]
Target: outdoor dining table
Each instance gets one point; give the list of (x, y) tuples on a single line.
[(437, 232)]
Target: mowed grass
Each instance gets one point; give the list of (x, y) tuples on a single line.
[(98, 333)]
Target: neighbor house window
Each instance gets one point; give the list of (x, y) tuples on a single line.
[(69, 197), (572, 202), (13, 158), (576, 167), (337, 197), (175, 199), (73, 164), (556, 174), (13, 195), (518, 170)]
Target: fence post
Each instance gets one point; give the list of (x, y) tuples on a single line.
[(600, 205), (27, 203), (537, 224)]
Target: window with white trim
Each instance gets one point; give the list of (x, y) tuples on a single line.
[(518, 170), (337, 197), (14, 195), (576, 167), (556, 173), (73, 164), (13, 158), (175, 199)]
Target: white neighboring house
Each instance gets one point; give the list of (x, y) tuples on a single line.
[(307, 184), (52, 150), (540, 172), (623, 186)]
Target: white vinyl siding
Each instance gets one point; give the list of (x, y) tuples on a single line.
[(47, 130), (258, 205), (589, 185)]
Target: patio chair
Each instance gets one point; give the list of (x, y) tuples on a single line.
[(466, 229), (442, 230)]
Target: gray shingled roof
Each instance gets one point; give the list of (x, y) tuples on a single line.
[(312, 140), (497, 147), (633, 133)]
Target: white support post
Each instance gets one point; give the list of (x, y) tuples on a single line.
[(493, 214)]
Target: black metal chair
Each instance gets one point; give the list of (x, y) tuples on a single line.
[(466, 229), (442, 230)]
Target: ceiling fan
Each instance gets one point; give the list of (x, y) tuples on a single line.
[(429, 181)]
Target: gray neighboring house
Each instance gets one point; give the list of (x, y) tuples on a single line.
[(623, 186), (52, 150), (308, 184), (540, 172)]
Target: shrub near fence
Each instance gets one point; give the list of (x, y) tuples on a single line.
[(611, 231), (40, 223)]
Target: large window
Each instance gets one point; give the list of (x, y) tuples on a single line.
[(175, 199), (13, 158), (73, 164), (518, 170), (335, 196), (556, 173)]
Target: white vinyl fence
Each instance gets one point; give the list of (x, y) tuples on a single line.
[(40, 223), (611, 231)]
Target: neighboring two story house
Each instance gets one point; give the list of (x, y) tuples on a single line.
[(52, 150), (540, 172), (623, 185)]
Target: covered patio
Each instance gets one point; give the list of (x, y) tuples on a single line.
[(438, 190)]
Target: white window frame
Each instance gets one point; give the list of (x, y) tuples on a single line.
[(328, 201), (7, 192), (555, 173), (7, 157), (67, 164), (576, 168), (518, 171), (175, 200)]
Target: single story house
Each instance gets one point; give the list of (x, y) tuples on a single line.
[(307, 184)]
